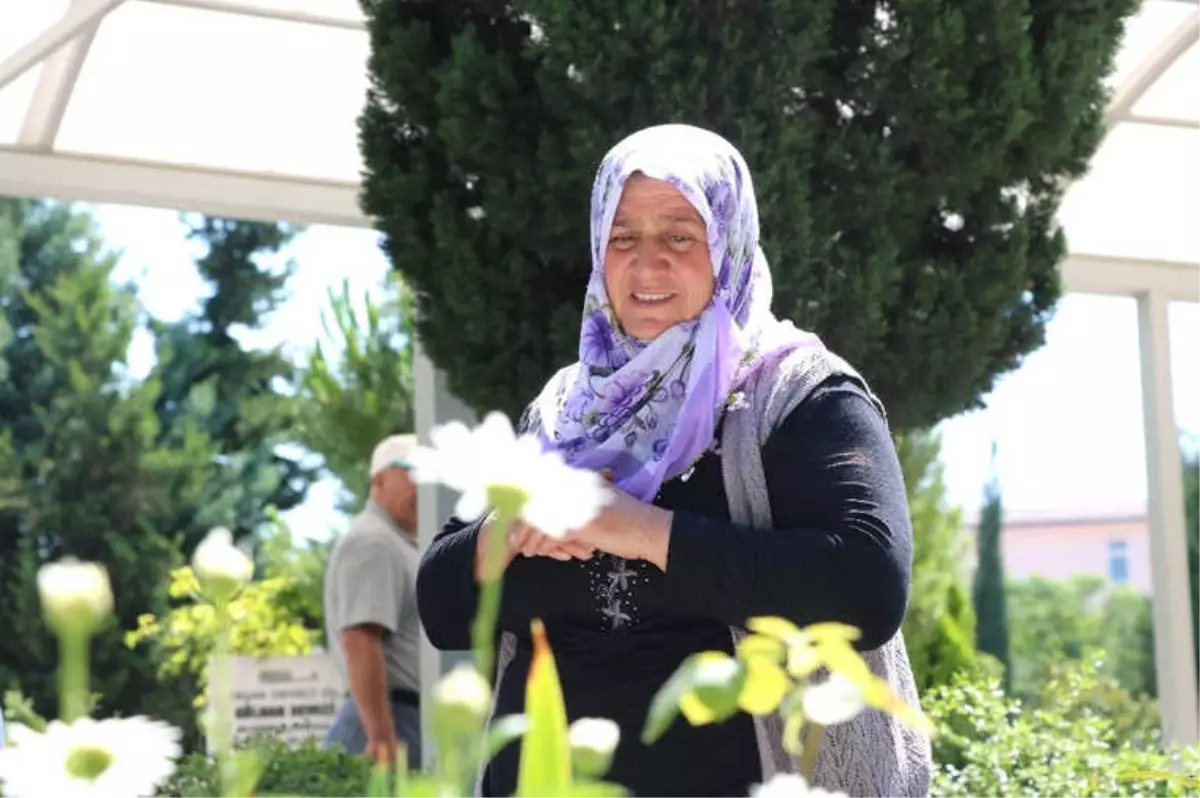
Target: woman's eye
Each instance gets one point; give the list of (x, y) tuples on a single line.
[(681, 240), (621, 241)]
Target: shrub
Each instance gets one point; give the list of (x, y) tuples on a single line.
[(185, 637), (304, 770), (990, 744)]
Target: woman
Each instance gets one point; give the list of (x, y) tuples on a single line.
[(753, 474)]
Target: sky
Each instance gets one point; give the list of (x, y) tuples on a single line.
[(1067, 424)]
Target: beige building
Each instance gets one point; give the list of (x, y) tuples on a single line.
[(1055, 545)]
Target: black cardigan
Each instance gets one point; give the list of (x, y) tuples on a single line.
[(841, 551)]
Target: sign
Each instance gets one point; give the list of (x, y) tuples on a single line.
[(290, 698)]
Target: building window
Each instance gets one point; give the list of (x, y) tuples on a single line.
[(1118, 562)]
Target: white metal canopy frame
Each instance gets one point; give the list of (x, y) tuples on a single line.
[(248, 109)]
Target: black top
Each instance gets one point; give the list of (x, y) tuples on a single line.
[(841, 551)]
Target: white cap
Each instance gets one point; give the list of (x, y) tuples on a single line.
[(392, 451)]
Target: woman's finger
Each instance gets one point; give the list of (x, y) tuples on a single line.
[(548, 547), (532, 544), (577, 550), (519, 536)]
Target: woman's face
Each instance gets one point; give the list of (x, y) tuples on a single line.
[(657, 270)]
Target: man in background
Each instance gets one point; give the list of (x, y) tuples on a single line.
[(371, 620)]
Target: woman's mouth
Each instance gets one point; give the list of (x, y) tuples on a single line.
[(648, 298)]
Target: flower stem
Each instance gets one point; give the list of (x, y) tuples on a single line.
[(220, 696), (808, 765), (483, 631), (73, 675)]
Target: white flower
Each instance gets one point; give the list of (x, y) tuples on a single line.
[(835, 700), (115, 757), (75, 595), (593, 742), (479, 463), (461, 700), (784, 785), (222, 568)]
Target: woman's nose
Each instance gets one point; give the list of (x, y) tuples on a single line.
[(651, 254)]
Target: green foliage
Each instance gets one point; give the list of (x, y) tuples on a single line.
[(989, 744), (776, 669), (304, 770), (300, 570), (909, 161), (1191, 502), (237, 396), (350, 403), (85, 465), (991, 635), (1061, 620), (184, 639), (939, 628)]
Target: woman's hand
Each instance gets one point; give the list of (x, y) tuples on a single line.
[(526, 540), (628, 528), (532, 543)]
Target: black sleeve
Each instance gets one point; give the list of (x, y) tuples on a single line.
[(841, 549), (447, 595)]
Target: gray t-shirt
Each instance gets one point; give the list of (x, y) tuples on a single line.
[(372, 578)]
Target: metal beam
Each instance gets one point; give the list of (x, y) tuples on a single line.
[(250, 10), (1103, 274), (77, 19), (218, 193), (55, 85), (1168, 51), (1161, 121), (1173, 644), (435, 405)]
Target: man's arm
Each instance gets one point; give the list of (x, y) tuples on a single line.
[(369, 579), (366, 670)]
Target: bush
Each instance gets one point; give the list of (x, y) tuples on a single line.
[(183, 640), (1053, 621), (304, 770), (939, 627), (1065, 744)]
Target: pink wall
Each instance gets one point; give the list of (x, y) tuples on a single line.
[(1062, 548)]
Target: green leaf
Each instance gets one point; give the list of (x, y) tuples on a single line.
[(380, 785), (665, 705), (716, 684), (504, 731), (545, 752), (765, 686), (248, 769)]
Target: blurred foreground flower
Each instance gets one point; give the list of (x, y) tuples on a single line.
[(835, 700), (76, 596), (461, 701), (222, 568), (786, 785), (490, 465), (116, 757), (593, 742)]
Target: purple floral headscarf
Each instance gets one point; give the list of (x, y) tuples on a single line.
[(648, 410)]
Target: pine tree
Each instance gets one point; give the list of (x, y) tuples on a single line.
[(351, 401), (244, 395), (909, 159), (83, 468), (991, 632)]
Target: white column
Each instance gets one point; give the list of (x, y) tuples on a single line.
[(1173, 645), (434, 405)]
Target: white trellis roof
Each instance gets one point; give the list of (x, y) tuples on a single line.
[(249, 107), (239, 107)]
